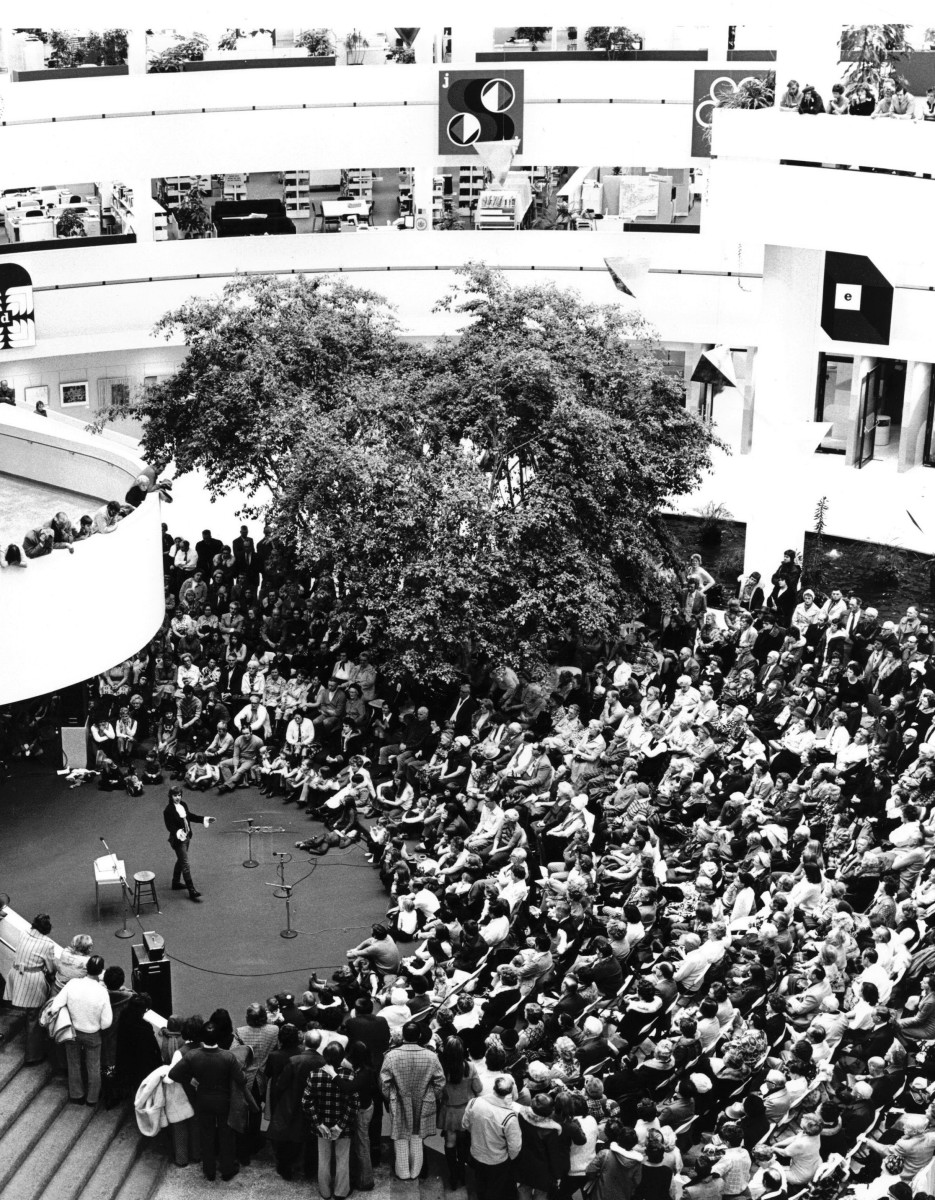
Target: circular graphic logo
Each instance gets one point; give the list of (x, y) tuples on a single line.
[(497, 96), (464, 129)]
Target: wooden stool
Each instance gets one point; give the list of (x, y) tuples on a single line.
[(144, 881)]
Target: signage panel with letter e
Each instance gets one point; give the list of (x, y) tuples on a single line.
[(857, 300)]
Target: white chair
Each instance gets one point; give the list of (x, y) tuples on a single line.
[(109, 871)]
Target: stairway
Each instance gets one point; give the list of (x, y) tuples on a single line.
[(53, 1150)]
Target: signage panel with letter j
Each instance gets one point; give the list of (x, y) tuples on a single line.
[(479, 107)]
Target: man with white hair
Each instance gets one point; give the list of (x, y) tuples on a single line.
[(685, 701), (397, 1012)]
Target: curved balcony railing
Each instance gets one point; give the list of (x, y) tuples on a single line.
[(70, 616)]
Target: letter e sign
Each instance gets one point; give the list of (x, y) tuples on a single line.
[(847, 295)]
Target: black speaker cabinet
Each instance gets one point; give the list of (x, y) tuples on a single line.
[(153, 977)]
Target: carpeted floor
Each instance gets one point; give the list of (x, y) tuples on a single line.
[(226, 951)]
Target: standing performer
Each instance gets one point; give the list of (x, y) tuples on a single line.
[(179, 820)]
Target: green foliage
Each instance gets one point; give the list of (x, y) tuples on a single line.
[(611, 38), (491, 495), (107, 49), (449, 219), (756, 91), (185, 50), (192, 216), (65, 51), (712, 517), (531, 33), (814, 564), (70, 225), (871, 52), (318, 42)]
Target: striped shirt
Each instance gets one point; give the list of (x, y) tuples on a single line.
[(34, 959)]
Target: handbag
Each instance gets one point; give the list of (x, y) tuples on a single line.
[(58, 1023)]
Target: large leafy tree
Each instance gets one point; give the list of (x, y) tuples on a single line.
[(495, 494)]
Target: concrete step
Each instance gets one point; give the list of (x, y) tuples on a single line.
[(20, 1092), (69, 1180), (147, 1172), (21, 1136), (12, 1055), (52, 1150), (12, 1020), (115, 1163)]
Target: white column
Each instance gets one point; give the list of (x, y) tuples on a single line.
[(773, 528), (467, 40), (749, 395), (136, 51), (142, 209), (915, 415), (425, 39), (422, 195), (863, 364)]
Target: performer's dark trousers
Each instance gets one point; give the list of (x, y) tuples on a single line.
[(182, 870)]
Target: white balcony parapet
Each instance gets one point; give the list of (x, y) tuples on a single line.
[(70, 616)]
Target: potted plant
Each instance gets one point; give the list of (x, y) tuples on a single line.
[(107, 49), (612, 38), (870, 52), (532, 34), (355, 44), (712, 515), (318, 42), (185, 50), (192, 217), (70, 225)]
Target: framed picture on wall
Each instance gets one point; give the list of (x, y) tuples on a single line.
[(32, 395), (74, 395)]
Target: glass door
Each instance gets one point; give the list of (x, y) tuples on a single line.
[(928, 454), (833, 400), (867, 416)]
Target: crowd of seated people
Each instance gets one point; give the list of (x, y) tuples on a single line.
[(670, 902)]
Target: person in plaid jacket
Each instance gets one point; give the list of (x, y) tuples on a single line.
[(331, 1105)]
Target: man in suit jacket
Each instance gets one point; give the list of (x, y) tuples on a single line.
[(217, 1072), (288, 1127), (460, 713), (180, 820), (370, 1028), (244, 550)]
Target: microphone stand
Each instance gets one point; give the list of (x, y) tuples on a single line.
[(288, 932), (125, 888), (280, 893)]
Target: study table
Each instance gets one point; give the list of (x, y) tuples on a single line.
[(334, 211)]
